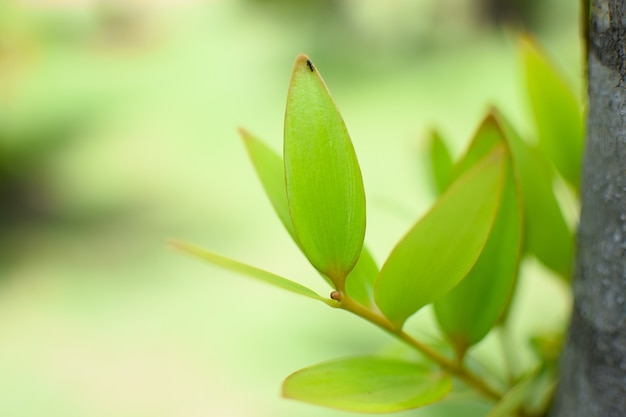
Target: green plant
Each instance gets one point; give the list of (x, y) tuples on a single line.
[(496, 206)]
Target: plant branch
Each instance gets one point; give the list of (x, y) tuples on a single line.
[(457, 369)]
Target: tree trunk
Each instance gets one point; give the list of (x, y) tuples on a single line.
[(593, 366)]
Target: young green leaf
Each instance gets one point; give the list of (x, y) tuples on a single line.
[(368, 385), (269, 167), (546, 234), (557, 112), (514, 398), (324, 185), (487, 137), (271, 171), (441, 162), (251, 271), (442, 247), (468, 312)]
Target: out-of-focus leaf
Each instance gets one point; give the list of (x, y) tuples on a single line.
[(514, 398), (269, 167), (251, 271), (557, 113), (487, 137), (468, 312), (548, 346), (441, 162), (541, 392), (324, 185), (271, 171), (546, 234), (474, 307), (368, 385), (444, 245)]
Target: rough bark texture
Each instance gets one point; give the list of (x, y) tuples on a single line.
[(593, 367)]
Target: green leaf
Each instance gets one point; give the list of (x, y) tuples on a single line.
[(269, 167), (540, 394), (557, 112), (487, 137), (444, 245), (251, 271), (361, 280), (468, 312), (514, 398), (546, 233), (271, 171), (368, 385), (441, 162), (324, 184)]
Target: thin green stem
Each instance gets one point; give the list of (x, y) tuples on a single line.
[(507, 352), (455, 368)]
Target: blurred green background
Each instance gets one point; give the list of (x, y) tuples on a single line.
[(118, 132)]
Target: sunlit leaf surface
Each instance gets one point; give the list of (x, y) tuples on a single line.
[(368, 385), (324, 184), (468, 312), (444, 245), (269, 167)]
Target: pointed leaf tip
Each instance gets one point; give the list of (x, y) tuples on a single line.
[(324, 184), (302, 60), (250, 271), (270, 170)]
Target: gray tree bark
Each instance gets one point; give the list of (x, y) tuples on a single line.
[(593, 366)]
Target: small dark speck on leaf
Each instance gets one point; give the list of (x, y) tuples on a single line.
[(310, 65)]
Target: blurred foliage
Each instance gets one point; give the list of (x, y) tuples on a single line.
[(45, 105), (462, 257), (369, 35), (117, 131), (321, 7), (517, 13)]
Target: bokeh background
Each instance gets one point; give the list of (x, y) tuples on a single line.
[(118, 132)]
